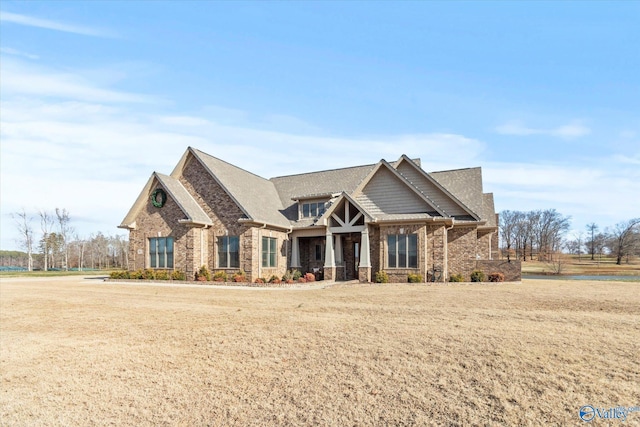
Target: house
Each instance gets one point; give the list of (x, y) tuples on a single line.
[(343, 224)]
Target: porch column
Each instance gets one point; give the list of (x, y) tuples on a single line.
[(295, 253), (338, 250), (329, 258), (364, 270)]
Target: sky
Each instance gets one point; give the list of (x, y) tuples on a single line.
[(96, 95)]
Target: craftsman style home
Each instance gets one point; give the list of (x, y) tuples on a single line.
[(341, 224)]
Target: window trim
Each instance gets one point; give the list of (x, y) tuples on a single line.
[(269, 252), (167, 256), (402, 247), (220, 242), (312, 209)]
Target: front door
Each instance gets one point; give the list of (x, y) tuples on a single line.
[(351, 255)]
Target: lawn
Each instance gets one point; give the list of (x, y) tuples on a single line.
[(77, 351)]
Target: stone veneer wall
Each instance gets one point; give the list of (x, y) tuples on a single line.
[(224, 213), (399, 275), (485, 242), (435, 255), (461, 250), (159, 222), (512, 270)]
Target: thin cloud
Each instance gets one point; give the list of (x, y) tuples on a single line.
[(20, 78), (31, 21), (16, 52), (568, 131)]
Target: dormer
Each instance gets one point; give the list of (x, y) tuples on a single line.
[(313, 206)]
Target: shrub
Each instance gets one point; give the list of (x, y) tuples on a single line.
[(162, 275), (203, 275), (138, 274), (456, 278), (240, 276), (496, 277), (220, 276), (302, 280), (178, 275), (309, 277), (415, 278), (119, 274), (274, 279), (297, 274), (382, 277), (259, 280), (287, 276), (148, 274), (477, 276)]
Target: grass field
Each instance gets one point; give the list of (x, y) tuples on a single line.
[(584, 266), (77, 351)]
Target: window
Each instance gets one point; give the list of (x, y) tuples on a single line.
[(403, 251), (228, 252), (310, 210), (161, 252), (319, 252), (269, 248)]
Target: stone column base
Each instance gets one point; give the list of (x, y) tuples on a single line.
[(329, 273), (364, 274)]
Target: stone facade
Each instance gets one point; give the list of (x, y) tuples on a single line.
[(445, 246)]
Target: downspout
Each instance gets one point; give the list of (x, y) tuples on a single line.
[(445, 267), (287, 248), (264, 225)]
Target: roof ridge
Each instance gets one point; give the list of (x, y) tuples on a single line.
[(230, 164), (321, 171)]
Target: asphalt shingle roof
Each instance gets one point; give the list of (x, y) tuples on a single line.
[(255, 195)]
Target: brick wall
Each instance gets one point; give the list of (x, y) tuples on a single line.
[(512, 270), (461, 250)]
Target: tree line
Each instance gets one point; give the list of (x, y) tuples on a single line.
[(542, 233), (53, 243)]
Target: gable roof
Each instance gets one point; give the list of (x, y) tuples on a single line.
[(255, 196), (466, 185), (390, 193), (194, 214), (432, 189)]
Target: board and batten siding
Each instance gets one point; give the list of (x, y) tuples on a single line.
[(385, 193), (428, 188)]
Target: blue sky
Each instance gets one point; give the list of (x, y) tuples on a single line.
[(95, 96)]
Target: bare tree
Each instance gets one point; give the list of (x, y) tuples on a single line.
[(592, 229), (624, 237), (23, 223), (507, 231), (46, 224), (64, 232)]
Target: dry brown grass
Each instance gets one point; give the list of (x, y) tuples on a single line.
[(84, 352)]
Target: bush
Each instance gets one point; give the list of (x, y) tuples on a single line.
[(259, 280), (119, 274), (240, 276), (203, 275), (148, 274), (496, 277), (287, 276), (297, 274), (138, 274), (309, 277), (274, 279), (415, 278), (162, 275), (220, 276), (178, 275), (477, 276), (382, 277), (456, 278)]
